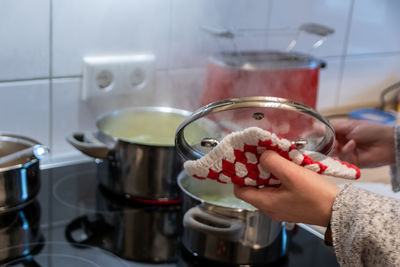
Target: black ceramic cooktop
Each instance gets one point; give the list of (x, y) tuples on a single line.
[(76, 222)]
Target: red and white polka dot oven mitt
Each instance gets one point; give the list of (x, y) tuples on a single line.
[(236, 160)]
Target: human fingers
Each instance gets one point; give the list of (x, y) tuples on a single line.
[(349, 147), (254, 195), (337, 147), (347, 151), (342, 126), (280, 167)]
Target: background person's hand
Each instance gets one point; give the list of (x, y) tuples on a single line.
[(303, 196), (363, 143)]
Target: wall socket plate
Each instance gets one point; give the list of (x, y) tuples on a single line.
[(116, 75)]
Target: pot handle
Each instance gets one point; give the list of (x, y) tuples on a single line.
[(199, 220), (87, 143)]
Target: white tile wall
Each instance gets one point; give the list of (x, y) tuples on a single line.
[(365, 77), (366, 39), (329, 84), (71, 114), (375, 27), (288, 14), (95, 28), (24, 46), (173, 90), (190, 46), (25, 109)]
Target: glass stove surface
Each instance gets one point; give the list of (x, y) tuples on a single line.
[(71, 192)]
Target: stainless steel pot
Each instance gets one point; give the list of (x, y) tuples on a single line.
[(19, 178), (217, 225), (224, 232), (139, 166)]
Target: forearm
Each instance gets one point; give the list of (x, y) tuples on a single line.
[(394, 168), (365, 228)]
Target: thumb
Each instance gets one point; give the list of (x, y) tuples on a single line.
[(280, 167)]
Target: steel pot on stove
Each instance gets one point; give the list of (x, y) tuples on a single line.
[(19, 172), (138, 146), (216, 225)]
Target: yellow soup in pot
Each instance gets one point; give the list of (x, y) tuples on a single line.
[(143, 126)]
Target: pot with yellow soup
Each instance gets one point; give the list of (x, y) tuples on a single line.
[(138, 152)]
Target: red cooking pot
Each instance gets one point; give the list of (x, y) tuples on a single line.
[(262, 73), (288, 75)]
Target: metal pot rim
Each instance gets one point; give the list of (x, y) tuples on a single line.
[(188, 152), (118, 112), (18, 139), (249, 60), (206, 204)]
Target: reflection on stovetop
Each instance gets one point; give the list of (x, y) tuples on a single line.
[(134, 231), (304, 250), (83, 224)]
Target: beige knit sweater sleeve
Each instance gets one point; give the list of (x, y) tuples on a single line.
[(365, 228)]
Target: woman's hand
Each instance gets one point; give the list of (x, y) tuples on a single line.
[(303, 196), (363, 143)]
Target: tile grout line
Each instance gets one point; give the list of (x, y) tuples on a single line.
[(51, 73), (169, 45), (196, 67), (171, 8), (269, 15), (345, 47), (50, 106), (40, 78)]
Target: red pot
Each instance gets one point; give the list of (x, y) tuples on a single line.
[(262, 73), (291, 75)]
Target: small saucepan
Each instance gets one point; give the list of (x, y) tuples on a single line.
[(19, 171)]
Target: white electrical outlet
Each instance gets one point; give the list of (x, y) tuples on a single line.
[(115, 75)]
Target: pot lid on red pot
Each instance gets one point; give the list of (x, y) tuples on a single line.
[(207, 126), (266, 60)]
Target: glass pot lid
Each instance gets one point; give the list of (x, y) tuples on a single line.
[(299, 123), (266, 60)]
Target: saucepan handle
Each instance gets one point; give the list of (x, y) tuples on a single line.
[(225, 228), (87, 143)]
